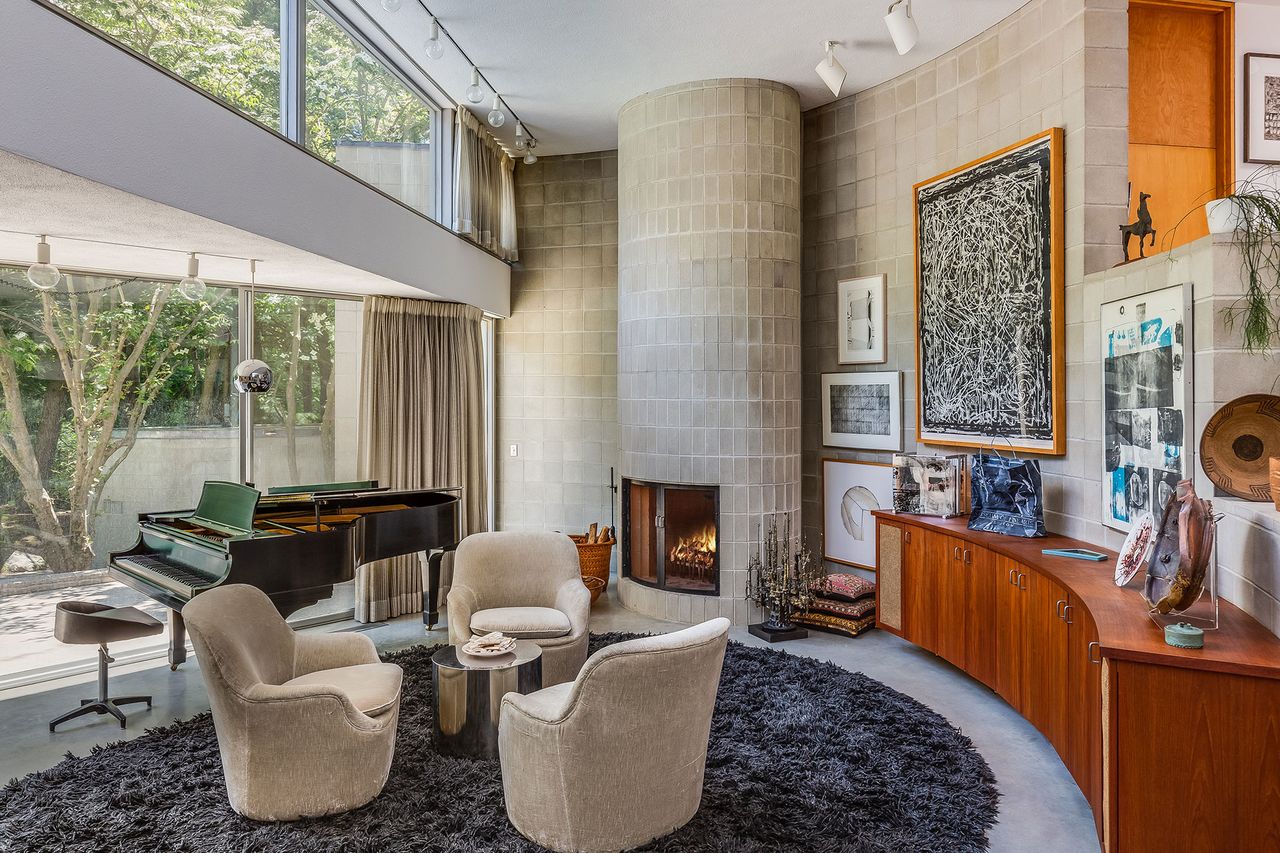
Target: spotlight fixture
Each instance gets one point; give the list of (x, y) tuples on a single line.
[(474, 93), (391, 5), (902, 26), (42, 274), (529, 157), (434, 47), (830, 69), (496, 116), (192, 286), (521, 142)]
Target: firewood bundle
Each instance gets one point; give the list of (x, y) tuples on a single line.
[(599, 534)]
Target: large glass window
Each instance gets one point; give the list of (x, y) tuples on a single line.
[(229, 48), (361, 117), (113, 402)]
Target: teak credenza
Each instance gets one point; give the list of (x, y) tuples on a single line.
[(1175, 749)]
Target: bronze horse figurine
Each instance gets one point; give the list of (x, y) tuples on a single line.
[(1140, 229)]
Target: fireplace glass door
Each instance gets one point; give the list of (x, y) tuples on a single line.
[(671, 535)]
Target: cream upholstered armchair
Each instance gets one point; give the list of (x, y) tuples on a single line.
[(306, 723), (615, 758), (528, 586)]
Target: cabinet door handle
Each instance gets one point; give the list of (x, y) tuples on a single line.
[(906, 535), (955, 553), (968, 556), (1062, 602), (1022, 580), (1066, 614), (1095, 645), (1013, 579)]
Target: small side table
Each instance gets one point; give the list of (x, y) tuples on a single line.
[(469, 693)]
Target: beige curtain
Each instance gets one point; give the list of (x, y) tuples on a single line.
[(422, 425), (484, 189)]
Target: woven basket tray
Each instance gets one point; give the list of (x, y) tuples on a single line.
[(593, 557)]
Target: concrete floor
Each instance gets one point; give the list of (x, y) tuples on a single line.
[(1041, 809)]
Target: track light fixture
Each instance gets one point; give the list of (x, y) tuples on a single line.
[(391, 5), (902, 26), (434, 47), (529, 157), (830, 69), (496, 116), (42, 274), (192, 286), (521, 142)]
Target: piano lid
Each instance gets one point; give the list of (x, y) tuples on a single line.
[(226, 507), (321, 488)]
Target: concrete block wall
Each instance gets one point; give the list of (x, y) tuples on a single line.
[(709, 311), (557, 362), (1053, 63)]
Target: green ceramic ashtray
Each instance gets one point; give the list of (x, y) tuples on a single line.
[(1184, 636)]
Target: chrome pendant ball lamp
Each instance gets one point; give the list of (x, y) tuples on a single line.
[(192, 286)]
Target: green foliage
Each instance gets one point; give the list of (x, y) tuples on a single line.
[(1257, 312)]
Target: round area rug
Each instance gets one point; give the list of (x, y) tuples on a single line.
[(804, 756)]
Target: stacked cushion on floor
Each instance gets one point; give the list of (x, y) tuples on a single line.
[(845, 604)]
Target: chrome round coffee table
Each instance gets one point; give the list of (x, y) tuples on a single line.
[(469, 693)]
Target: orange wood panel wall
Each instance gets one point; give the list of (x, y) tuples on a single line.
[(1181, 60)]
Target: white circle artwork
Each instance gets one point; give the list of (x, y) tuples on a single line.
[(854, 506)]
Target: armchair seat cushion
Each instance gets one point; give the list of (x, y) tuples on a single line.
[(523, 623), (372, 687)]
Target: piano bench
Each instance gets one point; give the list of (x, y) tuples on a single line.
[(87, 623)]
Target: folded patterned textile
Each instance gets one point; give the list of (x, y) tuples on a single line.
[(835, 624), (845, 587), (835, 607)]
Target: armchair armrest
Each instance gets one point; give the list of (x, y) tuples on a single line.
[(574, 600), (310, 704), (461, 603), (550, 705), (314, 652)]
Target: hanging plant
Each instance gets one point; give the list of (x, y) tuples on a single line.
[(1251, 214)]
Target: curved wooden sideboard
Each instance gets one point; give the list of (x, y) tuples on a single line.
[(1175, 749)]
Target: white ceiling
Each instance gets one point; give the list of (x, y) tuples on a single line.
[(69, 206), (566, 66)]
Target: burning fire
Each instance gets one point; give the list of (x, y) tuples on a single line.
[(697, 552)]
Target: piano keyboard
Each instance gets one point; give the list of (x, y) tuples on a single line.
[(165, 573)]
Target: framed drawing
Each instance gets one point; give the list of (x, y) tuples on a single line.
[(1146, 356), (862, 410), (850, 491), (990, 353), (864, 320), (1262, 108)]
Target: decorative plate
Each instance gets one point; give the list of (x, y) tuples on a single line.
[(1134, 551), (489, 651), (1237, 443)]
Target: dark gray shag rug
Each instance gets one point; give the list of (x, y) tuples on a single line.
[(804, 756)]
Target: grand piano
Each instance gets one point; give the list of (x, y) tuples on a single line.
[(294, 543)]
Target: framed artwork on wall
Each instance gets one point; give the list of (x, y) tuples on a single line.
[(1262, 108), (862, 410), (864, 320), (850, 491), (990, 352), (1147, 396)]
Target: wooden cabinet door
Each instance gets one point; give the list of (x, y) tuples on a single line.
[(1011, 634), (891, 557), (918, 614), (1084, 701), (980, 579), (942, 556), (1047, 665)]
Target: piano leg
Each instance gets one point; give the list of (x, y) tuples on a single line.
[(177, 639), (431, 595)]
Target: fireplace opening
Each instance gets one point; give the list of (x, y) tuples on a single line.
[(671, 534)]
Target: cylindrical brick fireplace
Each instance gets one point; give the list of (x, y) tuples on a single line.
[(709, 320)]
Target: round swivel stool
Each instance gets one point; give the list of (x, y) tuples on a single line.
[(86, 623)]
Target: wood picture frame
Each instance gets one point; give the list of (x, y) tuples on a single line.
[(862, 411), (1262, 121), (1039, 159), (862, 320), (852, 539)]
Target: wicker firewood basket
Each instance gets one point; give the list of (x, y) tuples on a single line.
[(593, 561)]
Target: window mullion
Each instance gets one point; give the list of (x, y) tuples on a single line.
[(293, 50)]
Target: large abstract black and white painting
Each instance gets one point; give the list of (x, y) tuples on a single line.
[(862, 410), (1146, 402), (863, 320), (989, 301)]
